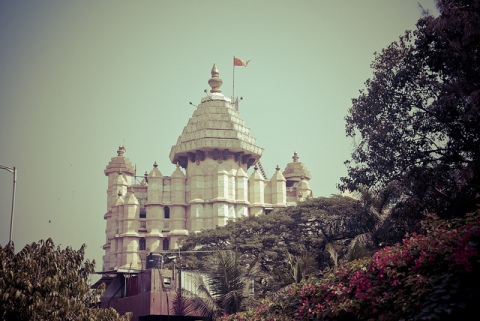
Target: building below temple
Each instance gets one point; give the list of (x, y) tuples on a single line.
[(209, 186)]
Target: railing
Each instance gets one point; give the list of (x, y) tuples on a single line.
[(262, 170)]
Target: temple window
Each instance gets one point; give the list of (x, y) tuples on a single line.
[(142, 244), (166, 244), (166, 212)]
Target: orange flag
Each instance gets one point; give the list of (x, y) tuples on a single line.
[(239, 62)]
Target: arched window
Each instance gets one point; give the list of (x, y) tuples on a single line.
[(142, 244), (166, 212), (143, 212), (166, 244)]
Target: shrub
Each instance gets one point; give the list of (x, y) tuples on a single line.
[(433, 275)]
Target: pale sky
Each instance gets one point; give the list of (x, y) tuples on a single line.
[(80, 78)]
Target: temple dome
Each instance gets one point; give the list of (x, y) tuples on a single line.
[(120, 163), (215, 124), (296, 171)]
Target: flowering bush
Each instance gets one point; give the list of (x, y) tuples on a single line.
[(433, 275)]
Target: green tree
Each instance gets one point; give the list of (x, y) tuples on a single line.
[(279, 242), (417, 123), (228, 286), (44, 282), (393, 214), (429, 276), (301, 267), (182, 304)]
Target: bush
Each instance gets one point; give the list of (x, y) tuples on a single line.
[(432, 276), (44, 282)]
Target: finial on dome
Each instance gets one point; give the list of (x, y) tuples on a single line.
[(295, 157), (255, 167), (119, 193), (215, 70), (155, 164), (277, 168), (121, 150), (215, 82)]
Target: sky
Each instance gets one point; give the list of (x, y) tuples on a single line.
[(80, 78)]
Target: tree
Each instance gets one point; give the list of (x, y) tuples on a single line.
[(417, 123), (278, 242), (44, 282), (228, 286), (182, 304), (429, 276), (393, 214)]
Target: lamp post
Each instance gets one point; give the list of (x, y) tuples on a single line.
[(12, 170)]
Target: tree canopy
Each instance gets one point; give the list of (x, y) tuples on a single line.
[(225, 290), (429, 276), (417, 123), (416, 128), (44, 282), (286, 245)]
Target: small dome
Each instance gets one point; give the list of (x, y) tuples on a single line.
[(120, 199), (131, 199), (155, 172), (303, 185), (241, 173), (120, 163), (178, 173), (256, 176), (296, 170), (277, 176), (121, 180)]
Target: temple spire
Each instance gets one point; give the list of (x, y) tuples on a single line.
[(121, 150), (295, 157), (215, 82)]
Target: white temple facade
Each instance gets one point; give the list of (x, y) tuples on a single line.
[(209, 186)]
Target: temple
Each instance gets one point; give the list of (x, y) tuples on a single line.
[(210, 185)]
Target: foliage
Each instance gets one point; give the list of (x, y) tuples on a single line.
[(387, 210), (227, 289), (44, 282), (286, 245), (405, 217), (417, 122), (429, 276), (182, 304), (227, 281)]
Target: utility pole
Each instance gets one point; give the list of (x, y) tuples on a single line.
[(12, 170), (179, 269)]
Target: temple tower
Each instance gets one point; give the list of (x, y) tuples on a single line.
[(216, 150), (297, 176), (118, 165), (210, 185), (119, 172)]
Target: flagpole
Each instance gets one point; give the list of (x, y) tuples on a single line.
[(233, 82)]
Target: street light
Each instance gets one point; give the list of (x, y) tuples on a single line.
[(12, 170)]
